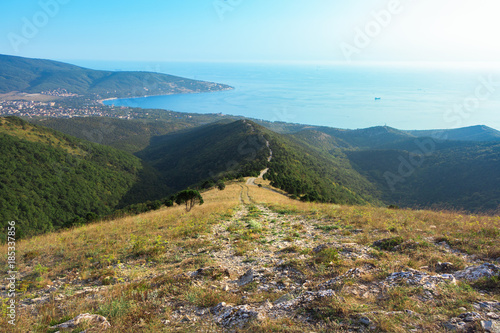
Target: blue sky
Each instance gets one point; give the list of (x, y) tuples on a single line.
[(252, 30)]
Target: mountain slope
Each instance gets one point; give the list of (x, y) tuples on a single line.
[(312, 174), (49, 180), (128, 135), (453, 175), (220, 150), (344, 166), (36, 76)]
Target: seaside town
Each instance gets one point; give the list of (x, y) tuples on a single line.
[(50, 109), (23, 107)]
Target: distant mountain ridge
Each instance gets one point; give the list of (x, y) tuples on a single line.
[(38, 75), (471, 133), (379, 135)]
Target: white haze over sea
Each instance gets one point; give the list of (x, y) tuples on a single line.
[(430, 96)]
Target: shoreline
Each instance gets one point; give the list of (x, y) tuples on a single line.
[(101, 101)]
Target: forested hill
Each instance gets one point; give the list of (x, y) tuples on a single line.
[(49, 180), (320, 163), (36, 76)]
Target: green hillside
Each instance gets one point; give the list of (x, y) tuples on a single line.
[(128, 135), (455, 175), (49, 180), (220, 150), (317, 163), (36, 75), (315, 175)]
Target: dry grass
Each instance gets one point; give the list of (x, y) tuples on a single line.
[(472, 234), (142, 262), (149, 244)]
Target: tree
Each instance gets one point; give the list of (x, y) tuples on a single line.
[(221, 185), (190, 198)]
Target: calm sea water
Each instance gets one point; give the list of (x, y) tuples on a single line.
[(334, 95)]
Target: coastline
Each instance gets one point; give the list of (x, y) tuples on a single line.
[(101, 101)]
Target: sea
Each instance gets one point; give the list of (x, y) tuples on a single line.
[(400, 95)]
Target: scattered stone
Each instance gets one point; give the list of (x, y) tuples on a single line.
[(246, 278), (490, 326), (284, 298), (473, 273), (487, 306), (230, 316), (493, 315), (454, 325), (470, 316), (365, 321), (418, 278), (99, 321)]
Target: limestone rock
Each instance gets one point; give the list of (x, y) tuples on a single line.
[(473, 273), (246, 278), (97, 320), (491, 326), (233, 316), (418, 278)]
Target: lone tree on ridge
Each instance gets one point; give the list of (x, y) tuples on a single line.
[(190, 198)]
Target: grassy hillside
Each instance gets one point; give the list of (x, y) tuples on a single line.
[(36, 75), (279, 265), (48, 179)]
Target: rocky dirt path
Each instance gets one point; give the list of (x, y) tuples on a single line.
[(264, 258)]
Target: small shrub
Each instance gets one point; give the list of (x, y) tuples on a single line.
[(388, 244), (326, 256), (30, 255), (490, 284), (221, 185)]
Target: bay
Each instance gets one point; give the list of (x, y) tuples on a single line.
[(337, 95)]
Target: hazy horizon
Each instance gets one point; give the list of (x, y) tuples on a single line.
[(243, 31)]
